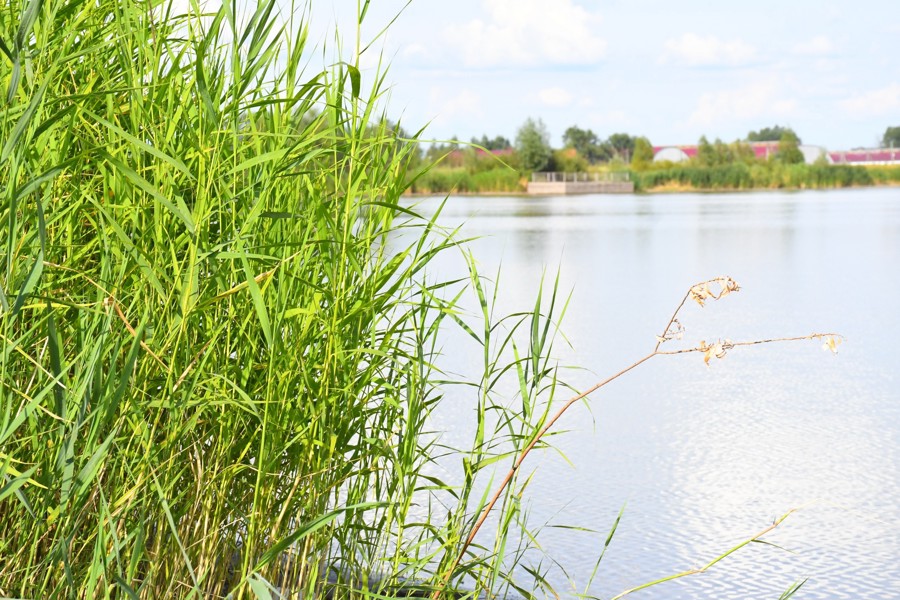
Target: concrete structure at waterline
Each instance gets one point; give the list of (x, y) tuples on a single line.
[(553, 183)]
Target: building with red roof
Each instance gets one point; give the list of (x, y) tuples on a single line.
[(870, 156), (765, 150), (762, 150)]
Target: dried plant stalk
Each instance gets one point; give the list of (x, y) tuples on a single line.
[(712, 289)]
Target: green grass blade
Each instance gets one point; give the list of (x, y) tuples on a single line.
[(22, 124), (30, 283), (179, 209), (32, 10)]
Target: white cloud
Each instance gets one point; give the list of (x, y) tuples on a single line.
[(754, 100), (820, 45), (695, 51), (370, 61), (555, 97), (875, 102), (529, 33), (446, 106), (414, 51), (609, 119)]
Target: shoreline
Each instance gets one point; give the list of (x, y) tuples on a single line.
[(688, 189), (669, 188)]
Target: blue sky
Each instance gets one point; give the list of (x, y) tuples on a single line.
[(672, 71)]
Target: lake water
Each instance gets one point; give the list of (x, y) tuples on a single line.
[(704, 457)]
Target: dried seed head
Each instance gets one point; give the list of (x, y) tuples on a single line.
[(701, 292), (728, 285), (831, 343), (674, 332), (719, 349)]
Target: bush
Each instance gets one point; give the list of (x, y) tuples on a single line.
[(568, 161), (497, 180), (442, 181)]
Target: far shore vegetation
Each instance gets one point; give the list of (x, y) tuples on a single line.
[(498, 165)]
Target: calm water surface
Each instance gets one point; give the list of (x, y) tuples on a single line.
[(702, 458)]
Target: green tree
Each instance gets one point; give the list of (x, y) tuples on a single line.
[(706, 154), (723, 153), (586, 143), (771, 134), (742, 152), (533, 145), (497, 143), (643, 154), (621, 144), (891, 138), (789, 149), (435, 152)]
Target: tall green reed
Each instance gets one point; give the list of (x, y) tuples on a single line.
[(217, 361)]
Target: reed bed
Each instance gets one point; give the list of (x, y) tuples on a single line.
[(459, 180), (762, 175), (216, 366)]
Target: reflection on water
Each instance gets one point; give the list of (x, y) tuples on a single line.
[(705, 457)]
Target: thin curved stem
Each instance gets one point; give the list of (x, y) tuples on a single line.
[(708, 565), (522, 455)]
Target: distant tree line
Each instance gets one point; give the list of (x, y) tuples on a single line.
[(589, 145), (718, 153), (483, 165), (771, 134), (496, 143), (582, 149)]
